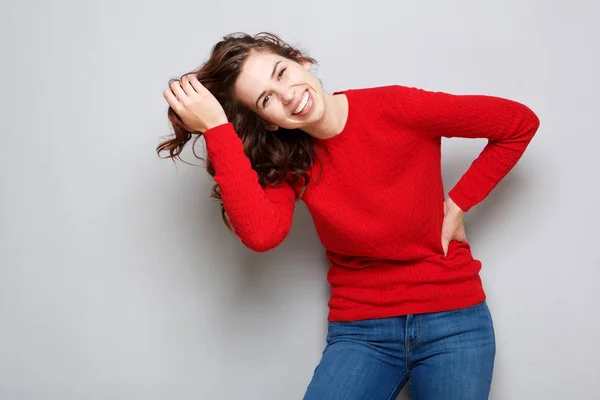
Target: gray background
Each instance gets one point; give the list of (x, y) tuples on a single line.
[(118, 279)]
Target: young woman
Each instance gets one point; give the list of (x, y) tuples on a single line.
[(406, 297)]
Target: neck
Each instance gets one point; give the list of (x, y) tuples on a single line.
[(334, 117)]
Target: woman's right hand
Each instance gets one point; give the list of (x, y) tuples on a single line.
[(198, 109)]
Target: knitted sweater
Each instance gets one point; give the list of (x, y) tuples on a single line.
[(377, 197)]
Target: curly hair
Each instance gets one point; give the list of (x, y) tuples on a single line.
[(281, 156)]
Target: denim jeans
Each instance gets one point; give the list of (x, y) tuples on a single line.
[(445, 355)]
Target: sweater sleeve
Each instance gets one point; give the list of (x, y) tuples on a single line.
[(261, 217), (508, 125)]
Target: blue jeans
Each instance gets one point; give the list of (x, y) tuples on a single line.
[(445, 355)]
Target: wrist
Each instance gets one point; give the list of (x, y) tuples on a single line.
[(453, 207), (215, 125)]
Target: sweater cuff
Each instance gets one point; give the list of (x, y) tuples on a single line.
[(219, 131), (462, 202)]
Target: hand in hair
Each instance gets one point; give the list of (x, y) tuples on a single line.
[(198, 109)]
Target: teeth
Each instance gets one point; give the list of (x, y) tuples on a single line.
[(302, 104)]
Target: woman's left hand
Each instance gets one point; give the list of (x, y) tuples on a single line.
[(452, 227)]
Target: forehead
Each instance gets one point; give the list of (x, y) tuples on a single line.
[(255, 76), (258, 63)]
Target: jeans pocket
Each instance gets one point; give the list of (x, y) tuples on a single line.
[(356, 330)]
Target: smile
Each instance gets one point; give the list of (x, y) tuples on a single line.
[(303, 104)]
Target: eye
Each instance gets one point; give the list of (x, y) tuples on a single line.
[(264, 103), (281, 72)]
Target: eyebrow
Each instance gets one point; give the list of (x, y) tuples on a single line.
[(264, 91)]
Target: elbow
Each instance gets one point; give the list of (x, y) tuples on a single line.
[(528, 123), (261, 246), (534, 122), (264, 234), (531, 120), (262, 243)]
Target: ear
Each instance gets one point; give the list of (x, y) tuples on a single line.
[(271, 127), (305, 64)]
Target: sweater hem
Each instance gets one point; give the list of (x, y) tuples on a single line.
[(404, 309)]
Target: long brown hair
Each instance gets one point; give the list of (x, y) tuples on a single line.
[(283, 155)]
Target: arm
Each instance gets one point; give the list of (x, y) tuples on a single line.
[(261, 217), (509, 126)]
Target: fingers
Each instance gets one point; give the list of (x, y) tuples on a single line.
[(445, 245), (198, 87), (178, 91), (175, 95), (171, 99), (194, 103), (187, 88)]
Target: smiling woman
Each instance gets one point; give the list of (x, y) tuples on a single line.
[(406, 295), (288, 94), (260, 82)]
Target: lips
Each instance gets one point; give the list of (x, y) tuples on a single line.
[(299, 101)]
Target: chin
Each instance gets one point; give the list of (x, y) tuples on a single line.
[(315, 115)]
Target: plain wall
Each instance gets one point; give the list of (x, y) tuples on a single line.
[(118, 279)]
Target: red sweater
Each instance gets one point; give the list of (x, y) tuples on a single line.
[(377, 202)]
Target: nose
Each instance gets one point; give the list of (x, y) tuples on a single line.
[(288, 96)]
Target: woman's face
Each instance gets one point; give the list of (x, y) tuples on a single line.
[(283, 92)]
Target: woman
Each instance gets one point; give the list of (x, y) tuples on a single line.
[(406, 297)]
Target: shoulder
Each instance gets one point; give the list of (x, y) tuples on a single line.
[(388, 95), (373, 90), (395, 90), (375, 96)]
